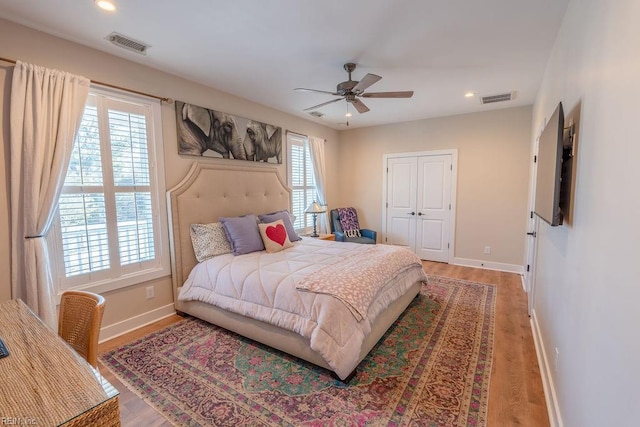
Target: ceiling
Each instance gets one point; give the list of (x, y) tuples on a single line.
[(261, 50)]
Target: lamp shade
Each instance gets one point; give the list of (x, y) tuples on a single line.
[(315, 208)]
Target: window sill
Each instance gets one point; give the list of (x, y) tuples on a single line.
[(108, 285)]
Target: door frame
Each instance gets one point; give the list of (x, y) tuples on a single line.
[(529, 274), (454, 185)]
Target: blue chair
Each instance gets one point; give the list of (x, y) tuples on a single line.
[(368, 236)]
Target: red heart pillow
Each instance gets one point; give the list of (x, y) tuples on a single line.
[(278, 233), (274, 236)]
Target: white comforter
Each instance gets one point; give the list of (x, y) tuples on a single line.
[(263, 286)]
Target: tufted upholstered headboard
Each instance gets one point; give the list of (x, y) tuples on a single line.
[(210, 191)]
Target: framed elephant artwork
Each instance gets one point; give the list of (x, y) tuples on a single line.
[(210, 133)]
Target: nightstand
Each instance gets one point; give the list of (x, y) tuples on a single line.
[(326, 237)]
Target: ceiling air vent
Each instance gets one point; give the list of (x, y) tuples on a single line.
[(128, 43), (497, 98), (316, 114)]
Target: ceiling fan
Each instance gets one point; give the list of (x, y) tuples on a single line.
[(351, 90)]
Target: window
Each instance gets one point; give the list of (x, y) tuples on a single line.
[(301, 181), (109, 229)]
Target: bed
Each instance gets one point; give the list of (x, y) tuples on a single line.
[(210, 191)]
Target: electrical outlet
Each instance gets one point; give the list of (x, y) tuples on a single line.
[(151, 293), (556, 359), (487, 250)]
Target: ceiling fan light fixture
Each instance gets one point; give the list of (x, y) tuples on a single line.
[(352, 90), (107, 5)]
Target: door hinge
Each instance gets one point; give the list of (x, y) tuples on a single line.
[(527, 267), (531, 214), (388, 206), (387, 170), (449, 206), (535, 159), (385, 240), (450, 167), (448, 245)]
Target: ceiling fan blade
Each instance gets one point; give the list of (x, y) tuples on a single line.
[(304, 89), (359, 105), (366, 81), (323, 104), (401, 94)]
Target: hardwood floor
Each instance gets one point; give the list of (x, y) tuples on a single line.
[(516, 396)]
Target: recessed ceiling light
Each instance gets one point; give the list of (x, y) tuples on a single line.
[(107, 5), (469, 95)]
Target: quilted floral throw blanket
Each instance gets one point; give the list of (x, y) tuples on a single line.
[(357, 279), (349, 222)]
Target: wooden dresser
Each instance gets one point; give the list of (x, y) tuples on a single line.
[(45, 382)]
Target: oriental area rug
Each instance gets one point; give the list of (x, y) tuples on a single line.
[(431, 368)]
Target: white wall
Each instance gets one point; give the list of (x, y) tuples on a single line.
[(493, 166), (587, 289)]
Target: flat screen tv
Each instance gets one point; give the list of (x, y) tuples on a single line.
[(549, 171)]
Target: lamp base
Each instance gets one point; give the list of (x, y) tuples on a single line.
[(315, 232)]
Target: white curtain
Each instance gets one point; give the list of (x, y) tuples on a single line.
[(316, 149), (46, 109)]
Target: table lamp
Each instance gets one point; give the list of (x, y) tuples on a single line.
[(314, 209)]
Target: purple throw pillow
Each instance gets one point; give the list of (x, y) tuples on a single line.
[(243, 234)]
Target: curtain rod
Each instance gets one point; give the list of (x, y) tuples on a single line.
[(301, 134), (161, 98)]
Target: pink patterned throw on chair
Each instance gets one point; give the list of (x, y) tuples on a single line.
[(349, 222)]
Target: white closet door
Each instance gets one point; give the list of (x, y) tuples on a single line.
[(433, 207), (401, 201)]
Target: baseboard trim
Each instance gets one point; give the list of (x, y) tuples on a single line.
[(133, 323), (509, 268), (555, 420)]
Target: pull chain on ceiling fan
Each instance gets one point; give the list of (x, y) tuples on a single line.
[(352, 90)]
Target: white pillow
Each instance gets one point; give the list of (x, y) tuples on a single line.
[(209, 240)]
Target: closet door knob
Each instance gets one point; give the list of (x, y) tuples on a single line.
[(411, 213), (420, 214)]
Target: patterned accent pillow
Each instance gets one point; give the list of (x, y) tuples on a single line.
[(349, 222), (209, 240), (274, 236)]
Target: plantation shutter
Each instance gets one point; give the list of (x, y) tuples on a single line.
[(301, 180), (132, 186), (81, 207)]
